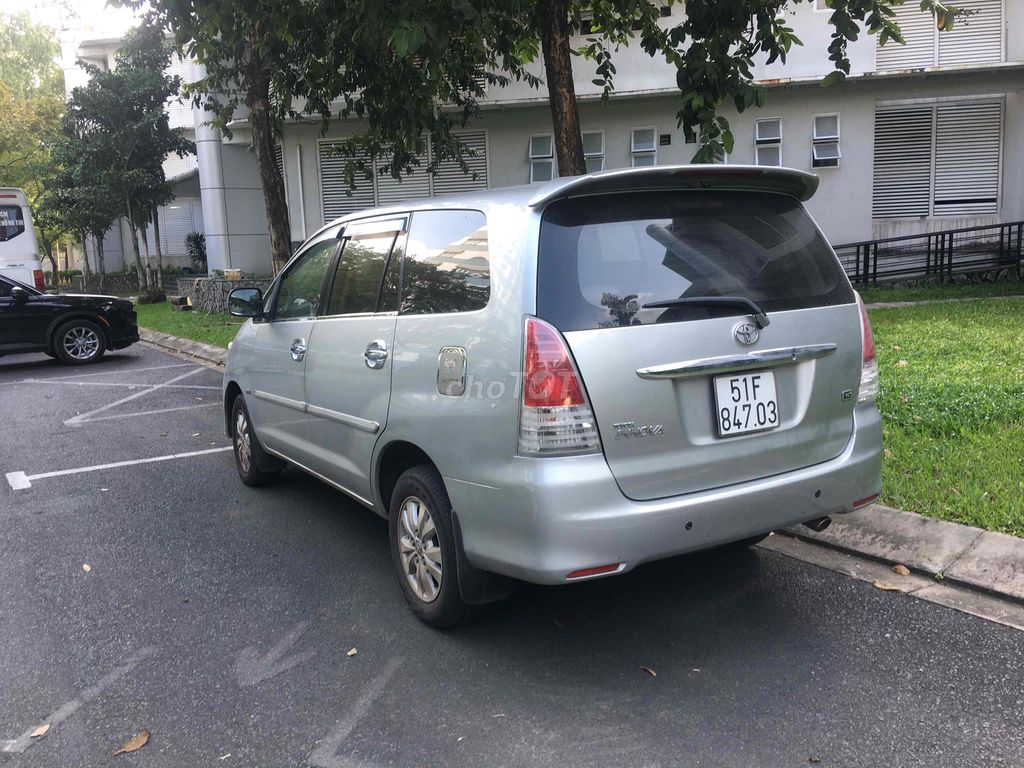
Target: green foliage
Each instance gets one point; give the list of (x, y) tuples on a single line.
[(115, 137), (951, 382), (31, 106), (195, 247)]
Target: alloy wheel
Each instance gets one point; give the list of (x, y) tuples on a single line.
[(81, 343), (243, 442), (419, 546)]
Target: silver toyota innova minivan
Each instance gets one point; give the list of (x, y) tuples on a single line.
[(561, 382)]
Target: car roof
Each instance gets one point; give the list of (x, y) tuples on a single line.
[(12, 196), (748, 178)]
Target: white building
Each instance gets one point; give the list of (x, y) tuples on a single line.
[(922, 137)]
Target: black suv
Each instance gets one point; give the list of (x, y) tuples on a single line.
[(74, 328)]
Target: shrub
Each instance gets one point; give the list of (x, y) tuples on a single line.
[(195, 246)]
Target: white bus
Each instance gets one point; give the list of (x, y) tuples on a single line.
[(19, 249)]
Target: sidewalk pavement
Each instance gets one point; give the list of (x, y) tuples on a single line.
[(972, 557)]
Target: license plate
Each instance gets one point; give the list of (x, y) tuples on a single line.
[(746, 402)]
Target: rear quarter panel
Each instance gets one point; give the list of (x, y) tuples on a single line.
[(469, 437)]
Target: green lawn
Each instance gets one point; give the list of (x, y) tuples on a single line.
[(953, 408), (211, 329), (873, 294)]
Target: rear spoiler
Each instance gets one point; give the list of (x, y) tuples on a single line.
[(745, 178)]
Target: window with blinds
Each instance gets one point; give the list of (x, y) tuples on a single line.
[(976, 38), (937, 160), (382, 189)]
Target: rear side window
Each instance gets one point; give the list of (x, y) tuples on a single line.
[(446, 266), (602, 258), (357, 282), (12, 222)]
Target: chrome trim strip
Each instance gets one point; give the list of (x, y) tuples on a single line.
[(343, 418), (318, 476), (287, 402), (766, 358)]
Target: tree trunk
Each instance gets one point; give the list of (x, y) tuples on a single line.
[(565, 116), (257, 80), (143, 284), (149, 262), (159, 249), (99, 263), (48, 247), (85, 253)]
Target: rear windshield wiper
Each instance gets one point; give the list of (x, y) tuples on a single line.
[(760, 318)]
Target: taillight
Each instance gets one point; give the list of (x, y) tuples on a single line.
[(555, 417), (37, 277), (869, 366)]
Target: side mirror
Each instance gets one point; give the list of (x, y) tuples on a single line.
[(245, 302), (19, 294)]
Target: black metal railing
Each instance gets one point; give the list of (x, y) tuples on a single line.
[(935, 255)]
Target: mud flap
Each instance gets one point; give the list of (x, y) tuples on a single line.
[(477, 586)]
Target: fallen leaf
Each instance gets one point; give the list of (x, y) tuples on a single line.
[(86, 567), (352, 652), (649, 671), (888, 453), (814, 760), (902, 570), (902, 364), (135, 743), (40, 731), (886, 586), (196, 434)]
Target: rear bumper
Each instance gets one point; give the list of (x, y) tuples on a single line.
[(541, 519)]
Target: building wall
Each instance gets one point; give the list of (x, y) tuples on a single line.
[(842, 205)]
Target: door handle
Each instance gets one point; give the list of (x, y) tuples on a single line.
[(298, 350), (376, 353)]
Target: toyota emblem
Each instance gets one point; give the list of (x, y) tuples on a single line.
[(746, 333)]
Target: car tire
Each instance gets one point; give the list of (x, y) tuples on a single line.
[(249, 454), (79, 342), (423, 548)]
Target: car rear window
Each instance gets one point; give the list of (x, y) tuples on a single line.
[(602, 258), (12, 222)]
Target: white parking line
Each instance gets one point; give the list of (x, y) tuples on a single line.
[(111, 372), (19, 481), (117, 384), (151, 412), (74, 421), (66, 710)]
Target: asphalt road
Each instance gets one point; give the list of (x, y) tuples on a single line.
[(220, 619)]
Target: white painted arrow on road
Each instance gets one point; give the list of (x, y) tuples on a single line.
[(250, 668)]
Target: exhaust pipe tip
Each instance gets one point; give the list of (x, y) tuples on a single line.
[(818, 524)]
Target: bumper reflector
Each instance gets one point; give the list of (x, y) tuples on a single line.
[(598, 571), (865, 501)]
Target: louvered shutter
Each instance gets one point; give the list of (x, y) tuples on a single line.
[(408, 186), (968, 138), (451, 178), (918, 30), (976, 38), (334, 191), (175, 166), (903, 162), (182, 216), (279, 159)]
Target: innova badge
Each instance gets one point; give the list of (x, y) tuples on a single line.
[(746, 333)]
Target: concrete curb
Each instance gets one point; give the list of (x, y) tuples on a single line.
[(971, 557), (205, 352)]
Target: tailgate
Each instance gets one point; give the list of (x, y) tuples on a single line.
[(662, 437), (694, 395)]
